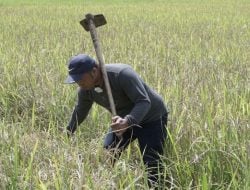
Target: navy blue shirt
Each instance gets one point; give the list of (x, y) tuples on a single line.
[(132, 97)]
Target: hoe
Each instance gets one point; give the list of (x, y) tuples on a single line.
[(90, 23)]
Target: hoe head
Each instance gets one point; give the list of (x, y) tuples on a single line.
[(98, 20)]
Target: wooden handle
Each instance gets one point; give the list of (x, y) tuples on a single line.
[(97, 47)]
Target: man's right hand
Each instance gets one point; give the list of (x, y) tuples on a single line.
[(69, 134), (64, 130)]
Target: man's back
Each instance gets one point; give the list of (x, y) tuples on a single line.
[(131, 95)]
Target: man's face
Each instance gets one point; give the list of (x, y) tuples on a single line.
[(88, 81)]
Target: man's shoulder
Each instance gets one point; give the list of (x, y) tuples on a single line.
[(116, 67)]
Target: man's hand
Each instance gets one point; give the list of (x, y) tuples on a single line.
[(119, 125), (66, 131)]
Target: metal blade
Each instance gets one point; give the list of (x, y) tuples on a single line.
[(98, 20)]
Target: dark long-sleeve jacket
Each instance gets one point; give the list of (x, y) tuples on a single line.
[(132, 97)]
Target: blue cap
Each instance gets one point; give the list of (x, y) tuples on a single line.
[(78, 65)]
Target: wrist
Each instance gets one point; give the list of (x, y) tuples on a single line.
[(130, 120)]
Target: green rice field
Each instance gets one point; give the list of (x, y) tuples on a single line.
[(194, 53)]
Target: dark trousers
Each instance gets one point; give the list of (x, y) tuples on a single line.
[(151, 137)]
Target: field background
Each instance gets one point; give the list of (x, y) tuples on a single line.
[(195, 53)]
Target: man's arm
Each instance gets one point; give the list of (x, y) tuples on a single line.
[(81, 110), (134, 89)]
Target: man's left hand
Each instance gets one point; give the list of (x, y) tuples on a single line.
[(119, 125)]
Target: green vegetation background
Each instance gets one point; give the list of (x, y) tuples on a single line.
[(194, 53)]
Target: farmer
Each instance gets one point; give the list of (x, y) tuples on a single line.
[(141, 113)]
